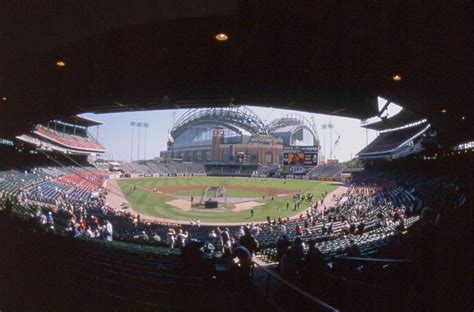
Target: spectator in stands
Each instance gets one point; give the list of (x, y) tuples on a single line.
[(108, 230), (224, 237), (292, 260), (353, 249), (324, 229), (360, 227), (299, 230), (282, 246), (43, 219), (241, 232), (248, 241), (157, 238), (50, 219), (143, 236), (298, 245), (380, 223), (88, 233), (181, 238), (313, 265), (346, 228), (289, 265), (171, 238), (352, 228), (212, 236), (242, 260), (330, 230)]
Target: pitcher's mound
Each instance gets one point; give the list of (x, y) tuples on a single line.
[(180, 204), (246, 205)]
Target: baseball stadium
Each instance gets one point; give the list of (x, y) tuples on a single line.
[(226, 163), (181, 156)]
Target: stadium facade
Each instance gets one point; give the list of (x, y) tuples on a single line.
[(237, 135)]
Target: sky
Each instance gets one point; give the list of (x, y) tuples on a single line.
[(116, 133)]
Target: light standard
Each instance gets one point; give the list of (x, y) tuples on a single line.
[(145, 125), (139, 125), (132, 124)]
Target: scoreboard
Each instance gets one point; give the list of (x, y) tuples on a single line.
[(300, 156)]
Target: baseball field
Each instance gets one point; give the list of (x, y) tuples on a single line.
[(182, 198)]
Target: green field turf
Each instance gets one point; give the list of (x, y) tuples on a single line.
[(146, 202)]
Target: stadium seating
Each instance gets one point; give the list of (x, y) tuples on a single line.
[(161, 168), (326, 171), (69, 140), (388, 141), (139, 267)]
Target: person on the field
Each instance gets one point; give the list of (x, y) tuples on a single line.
[(252, 213)]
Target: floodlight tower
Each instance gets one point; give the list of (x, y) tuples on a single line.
[(132, 124)]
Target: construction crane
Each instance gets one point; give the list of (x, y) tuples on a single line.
[(336, 142)]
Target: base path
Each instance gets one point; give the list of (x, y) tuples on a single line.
[(116, 198)]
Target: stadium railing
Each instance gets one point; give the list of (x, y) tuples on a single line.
[(277, 289)]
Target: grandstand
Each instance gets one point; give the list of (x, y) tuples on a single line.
[(66, 135), (326, 172), (397, 143), (163, 169)]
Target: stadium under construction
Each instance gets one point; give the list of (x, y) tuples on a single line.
[(236, 135)]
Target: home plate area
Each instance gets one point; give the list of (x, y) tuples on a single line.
[(235, 204)]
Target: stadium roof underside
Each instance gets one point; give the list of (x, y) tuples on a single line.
[(403, 118), (331, 57)]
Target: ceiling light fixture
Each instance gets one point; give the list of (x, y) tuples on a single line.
[(222, 37), (397, 78), (444, 110), (60, 63), (4, 98)]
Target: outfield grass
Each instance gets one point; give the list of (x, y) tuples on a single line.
[(149, 203)]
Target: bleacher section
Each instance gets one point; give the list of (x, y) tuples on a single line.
[(325, 172), (230, 170), (68, 140), (389, 142), (268, 170), (75, 187), (143, 168)]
